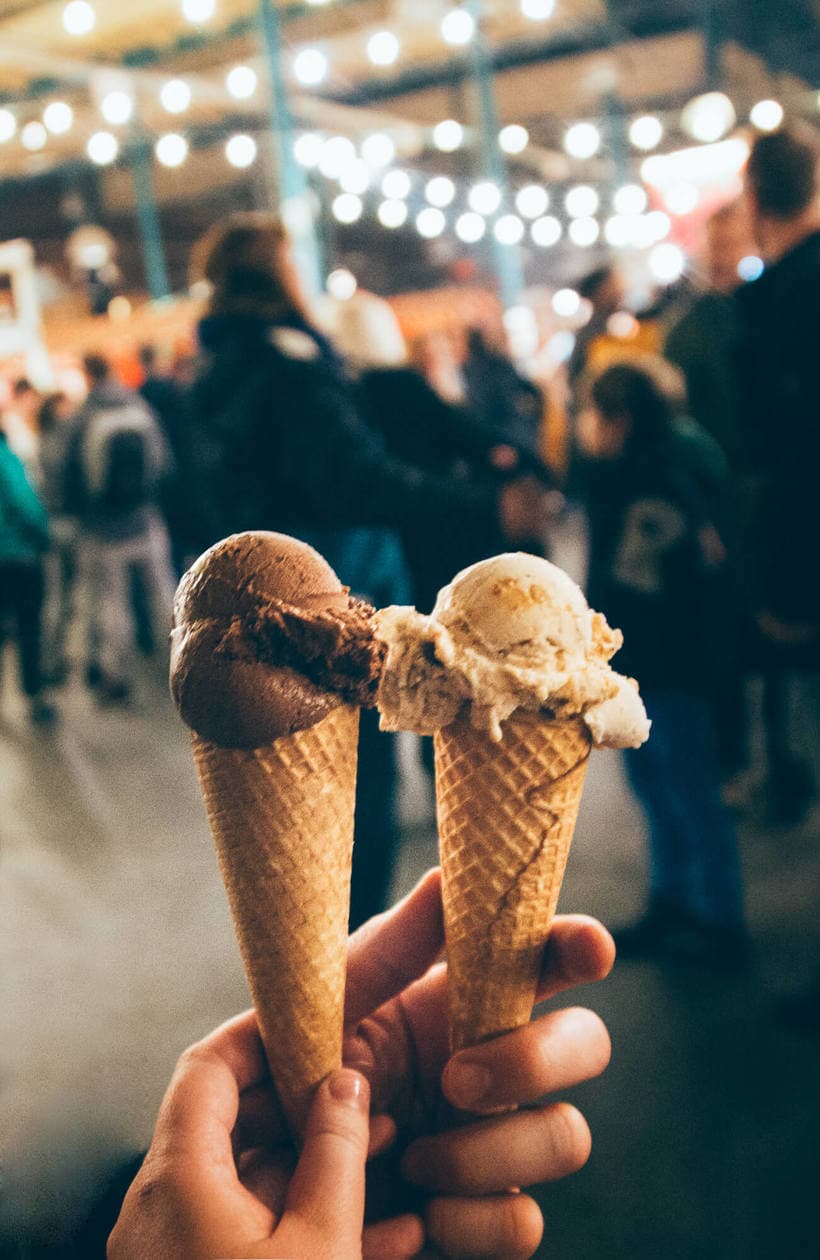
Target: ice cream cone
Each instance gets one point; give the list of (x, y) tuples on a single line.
[(282, 820), (506, 815)]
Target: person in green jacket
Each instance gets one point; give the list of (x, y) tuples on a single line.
[(23, 541)]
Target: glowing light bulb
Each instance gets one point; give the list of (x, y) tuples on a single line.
[(175, 96), (484, 197), (198, 11), (310, 66), (117, 107), (396, 185), (532, 201), (342, 284), (708, 117), (537, 10), (584, 232), (34, 137), (392, 213), (103, 148), (750, 268), (79, 18), (470, 227), (347, 207), (566, 303), (440, 191), (8, 125), (457, 27), (58, 117), (667, 263), (240, 151), (430, 222), (241, 82), (766, 115), (646, 132), (383, 48), (337, 153), (508, 230), (378, 149), (171, 150), (448, 135), (546, 231), (513, 139), (581, 201), (307, 149), (355, 178), (582, 140), (630, 199)]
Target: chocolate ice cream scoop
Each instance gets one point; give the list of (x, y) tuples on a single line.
[(267, 641)]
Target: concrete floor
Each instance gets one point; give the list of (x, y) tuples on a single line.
[(116, 951)]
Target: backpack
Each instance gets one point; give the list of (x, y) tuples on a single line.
[(119, 464)]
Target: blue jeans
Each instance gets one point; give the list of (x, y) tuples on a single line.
[(694, 864)]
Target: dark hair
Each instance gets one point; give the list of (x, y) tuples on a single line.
[(47, 415), (147, 357), (627, 390), (97, 367), (22, 386), (595, 280), (782, 172), (241, 257)]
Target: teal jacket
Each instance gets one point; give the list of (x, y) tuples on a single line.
[(23, 519)]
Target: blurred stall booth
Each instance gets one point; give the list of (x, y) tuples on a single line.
[(23, 350)]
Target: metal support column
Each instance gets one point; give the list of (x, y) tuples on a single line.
[(293, 187), (506, 258), (712, 26), (153, 254)]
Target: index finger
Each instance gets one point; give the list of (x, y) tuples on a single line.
[(579, 950)]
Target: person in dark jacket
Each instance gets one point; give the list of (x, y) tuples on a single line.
[(656, 572), (277, 440), (23, 543)]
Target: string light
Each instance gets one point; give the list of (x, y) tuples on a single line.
[(566, 303), (103, 148), (584, 232), (383, 48), (470, 227), (440, 191), (79, 18), (582, 140), (457, 27), (198, 11), (347, 207), (8, 125), (342, 284), (171, 149), (34, 137), (310, 66), (620, 230), (241, 82), (484, 197), (532, 201), (175, 96), (581, 201), (307, 149), (58, 117), (508, 230), (117, 107), (430, 222), (240, 151), (708, 117), (750, 268), (546, 231), (766, 115), (667, 263), (396, 185), (392, 213), (630, 199), (513, 139), (378, 149), (537, 10), (646, 132), (448, 135)]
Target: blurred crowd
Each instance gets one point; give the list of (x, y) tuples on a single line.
[(693, 470)]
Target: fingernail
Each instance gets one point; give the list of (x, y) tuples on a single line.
[(348, 1087), (466, 1082)]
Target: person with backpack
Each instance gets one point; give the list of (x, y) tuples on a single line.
[(117, 461)]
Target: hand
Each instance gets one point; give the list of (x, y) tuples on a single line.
[(526, 509), (220, 1180), (466, 1172)]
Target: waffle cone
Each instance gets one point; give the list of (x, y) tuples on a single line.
[(282, 820), (506, 816)]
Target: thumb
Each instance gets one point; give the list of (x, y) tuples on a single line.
[(324, 1212)]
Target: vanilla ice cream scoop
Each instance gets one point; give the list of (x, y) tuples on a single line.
[(514, 632)]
